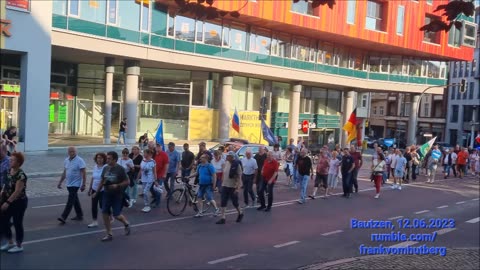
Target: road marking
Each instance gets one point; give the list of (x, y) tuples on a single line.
[(444, 231), (443, 206), (50, 205), (286, 244), (461, 202), (393, 218), (421, 212), (228, 258), (476, 199), (342, 261), (330, 233), (404, 244), (474, 220)]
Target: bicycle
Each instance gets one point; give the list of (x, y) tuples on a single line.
[(177, 201)]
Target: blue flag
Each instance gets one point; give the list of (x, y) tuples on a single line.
[(268, 134), (159, 135)]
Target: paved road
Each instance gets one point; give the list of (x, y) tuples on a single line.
[(291, 236)]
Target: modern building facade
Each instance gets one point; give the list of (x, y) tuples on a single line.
[(464, 108), (390, 114), (88, 64)]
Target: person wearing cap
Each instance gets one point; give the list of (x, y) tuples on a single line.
[(173, 167), (231, 184), (347, 167)]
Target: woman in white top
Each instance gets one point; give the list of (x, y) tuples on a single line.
[(127, 164), (100, 163), (277, 153), (288, 158), (378, 167), (148, 174), (218, 163)]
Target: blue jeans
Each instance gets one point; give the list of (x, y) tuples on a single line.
[(169, 182), (303, 186), (446, 169), (121, 135), (347, 183), (186, 172), (295, 178)]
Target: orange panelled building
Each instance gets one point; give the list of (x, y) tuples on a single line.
[(330, 25)]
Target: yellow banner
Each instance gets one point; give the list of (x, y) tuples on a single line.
[(203, 125)]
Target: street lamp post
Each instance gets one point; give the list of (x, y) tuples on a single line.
[(413, 138)]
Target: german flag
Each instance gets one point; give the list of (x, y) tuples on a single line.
[(351, 126)]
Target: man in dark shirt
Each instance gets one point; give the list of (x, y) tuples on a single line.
[(357, 158), (408, 157), (202, 149), (187, 161), (347, 167), (305, 171), (122, 130), (115, 181), (260, 157), (143, 141)]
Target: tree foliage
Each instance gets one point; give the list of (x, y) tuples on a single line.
[(204, 9)]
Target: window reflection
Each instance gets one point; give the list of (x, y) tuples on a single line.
[(260, 42), (301, 50), (237, 39), (184, 28), (396, 66), (281, 46), (213, 34), (328, 54)]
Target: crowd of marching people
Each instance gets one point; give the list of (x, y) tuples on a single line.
[(114, 181)]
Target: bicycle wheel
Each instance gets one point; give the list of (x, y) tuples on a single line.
[(176, 202)]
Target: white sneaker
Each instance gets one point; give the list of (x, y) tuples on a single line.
[(6, 247), (199, 214), (377, 196), (399, 188), (15, 249), (93, 224), (130, 203), (146, 209), (394, 186), (217, 212)]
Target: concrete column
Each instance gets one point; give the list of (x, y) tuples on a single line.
[(348, 104), (413, 120), (472, 127), (225, 104), (132, 71), (107, 112), (294, 113)]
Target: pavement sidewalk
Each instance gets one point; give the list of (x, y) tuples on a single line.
[(457, 258)]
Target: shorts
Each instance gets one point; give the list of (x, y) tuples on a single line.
[(113, 201), (461, 167), (228, 193), (321, 179), (205, 190), (399, 173)]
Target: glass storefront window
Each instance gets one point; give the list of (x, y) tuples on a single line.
[(319, 97), (415, 67), (184, 28), (301, 50), (306, 100), (73, 7), (171, 26), (313, 51), (405, 67), (236, 39), (374, 62), (280, 97), (112, 11), (327, 54), (239, 93), (60, 7), (94, 11), (434, 68), (396, 66), (341, 57), (357, 60), (145, 16), (384, 62), (333, 102), (260, 42), (199, 88), (424, 68), (255, 92), (281, 46), (129, 15), (213, 34)]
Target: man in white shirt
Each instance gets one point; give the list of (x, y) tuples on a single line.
[(250, 167), (449, 162)]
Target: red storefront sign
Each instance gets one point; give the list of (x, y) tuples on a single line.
[(305, 126), (23, 5)]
